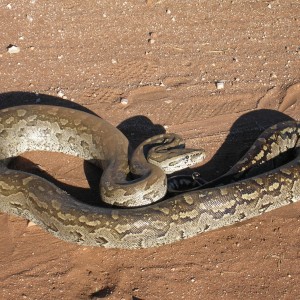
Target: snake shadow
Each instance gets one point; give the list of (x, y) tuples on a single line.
[(243, 133), (26, 98)]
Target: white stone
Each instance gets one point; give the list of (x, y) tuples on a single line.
[(220, 85), (30, 224), (29, 18), (124, 101), (60, 94), (12, 49)]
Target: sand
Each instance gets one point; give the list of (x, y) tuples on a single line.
[(215, 72)]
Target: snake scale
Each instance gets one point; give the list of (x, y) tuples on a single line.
[(265, 178)]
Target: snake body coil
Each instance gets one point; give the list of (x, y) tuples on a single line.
[(251, 187)]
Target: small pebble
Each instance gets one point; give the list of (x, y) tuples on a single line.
[(124, 101), (12, 49), (9, 6), (29, 18), (168, 12), (114, 61), (220, 85), (30, 224), (153, 35), (60, 94)]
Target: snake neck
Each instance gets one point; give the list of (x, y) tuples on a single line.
[(120, 187)]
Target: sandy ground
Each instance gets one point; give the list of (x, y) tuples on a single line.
[(165, 58)]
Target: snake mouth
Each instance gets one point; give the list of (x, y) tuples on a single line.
[(184, 183)]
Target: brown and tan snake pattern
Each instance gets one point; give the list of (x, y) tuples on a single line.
[(264, 179)]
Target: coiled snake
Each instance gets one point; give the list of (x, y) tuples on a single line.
[(264, 179)]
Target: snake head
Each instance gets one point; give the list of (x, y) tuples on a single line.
[(173, 160)]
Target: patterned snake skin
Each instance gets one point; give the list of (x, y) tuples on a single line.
[(267, 177)]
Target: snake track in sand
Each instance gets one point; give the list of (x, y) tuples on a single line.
[(264, 179)]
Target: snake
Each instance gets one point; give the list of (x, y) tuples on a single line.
[(140, 212)]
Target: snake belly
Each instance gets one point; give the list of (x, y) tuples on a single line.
[(58, 129)]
